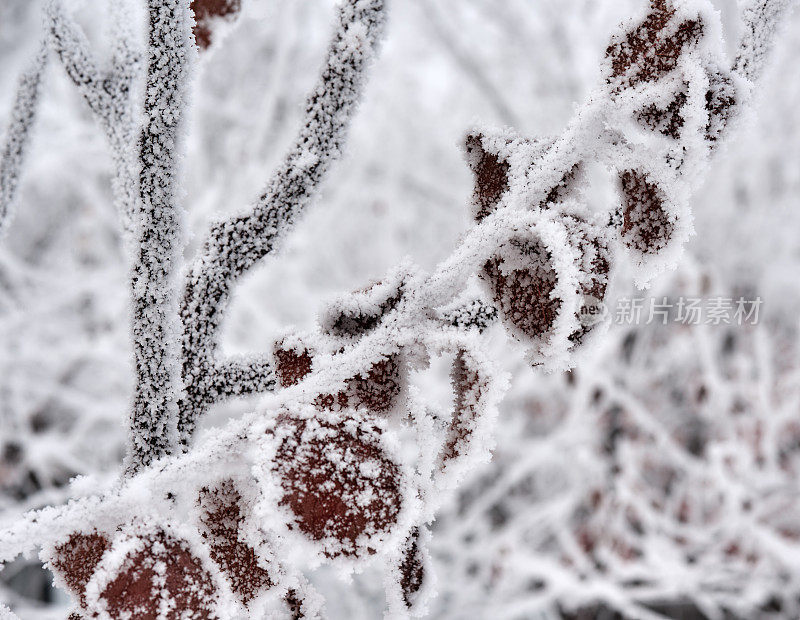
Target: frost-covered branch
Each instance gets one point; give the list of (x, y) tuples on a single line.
[(109, 95), (158, 225), (762, 21), (17, 136), (234, 246)]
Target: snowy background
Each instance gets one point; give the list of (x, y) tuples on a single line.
[(657, 479)]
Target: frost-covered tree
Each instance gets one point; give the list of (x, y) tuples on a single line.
[(345, 462)]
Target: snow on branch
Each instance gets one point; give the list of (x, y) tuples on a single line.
[(109, 94), (761, 23), (17, 137), (236, 245), (158, 226)]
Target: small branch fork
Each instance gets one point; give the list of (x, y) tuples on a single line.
[(109, 94), (234, 246)]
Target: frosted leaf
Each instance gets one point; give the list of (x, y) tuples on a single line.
[(470, 387), (721, 99), (379, 388), (75, 560), (361, 311), (566, 187), (524, 294), (668, 120), (534, 281), (206, 12), (594, 267), (295, 605), (159, 578), (412, 569), (410, 582), (646, 224), (293, 361), (474, 314), (491, 176), (333, 498), (304, 603), (499, 160), (222, 516), (375, 388), (151, 573), (477, 389), (654, 46)]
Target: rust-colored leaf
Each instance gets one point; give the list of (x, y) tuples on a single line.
[(291, 364), (222, 518), (652, 49), (76, 560), (523, 295), (352, 320), (412, 568), (491, 176), (720, 102), (564, 187), (646, 226), (668, 121), (337, 481), (379, 390), (163, 575), (467, 388), (205, 11)]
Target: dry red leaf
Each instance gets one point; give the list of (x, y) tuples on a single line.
[(523, 295), (720, 102), (295, 605), (378, 391), (162, 581), (412, 569), (652, 49), (564, 187), (467, 388), (491, 176), (645, 226), (668, 121), (595, 279), (352, 319), (222, 518), (76, 560), (205, 11), (337, 480), (292, 365)]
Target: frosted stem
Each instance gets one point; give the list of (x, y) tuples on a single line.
[(156, 341), (23, 116)]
